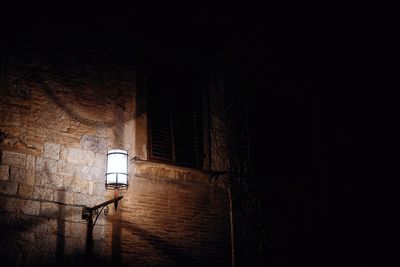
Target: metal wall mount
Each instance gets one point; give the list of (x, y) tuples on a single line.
[(88, 213)]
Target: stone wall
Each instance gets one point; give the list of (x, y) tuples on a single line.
[(59, 113), (57, 127)]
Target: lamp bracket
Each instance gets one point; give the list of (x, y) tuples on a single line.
[(88, 212)]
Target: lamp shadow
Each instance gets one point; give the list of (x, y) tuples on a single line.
[(26, 240), (17, 238), (175, 255)]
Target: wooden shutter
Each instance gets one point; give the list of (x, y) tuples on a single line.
[(160, 124), (187, 130), (175, 121)]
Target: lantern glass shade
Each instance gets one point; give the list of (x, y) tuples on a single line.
[(117, 168)]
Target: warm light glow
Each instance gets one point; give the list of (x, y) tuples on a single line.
[(117, 168)]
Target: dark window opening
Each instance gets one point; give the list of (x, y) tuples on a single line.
[(175, 122)]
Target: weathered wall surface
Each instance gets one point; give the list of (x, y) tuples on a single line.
[(59, 113), (58, 117), (171, 216)]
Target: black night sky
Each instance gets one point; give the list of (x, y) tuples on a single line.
[(300, 71)]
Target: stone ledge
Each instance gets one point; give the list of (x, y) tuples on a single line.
[(170, 173)]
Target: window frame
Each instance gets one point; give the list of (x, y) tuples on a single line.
[(173, 161)]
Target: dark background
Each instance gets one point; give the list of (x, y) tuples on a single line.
[(303, 73)]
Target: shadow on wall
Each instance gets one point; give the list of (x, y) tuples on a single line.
[(50, 92), (22, 246), (14, 248), (175, 256), (30, 240)]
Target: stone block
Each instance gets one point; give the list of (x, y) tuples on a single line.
[(97, 174), (15, 205), (46, 165), (83, 172), (51, 150), (25, 190), (17, 174), (49, 209), (74, 214), (13, 159), (49, 180), (55, 226), (100, 161), (99, 188), (94, 144), (31, 207), (63, 153), (80, 186), (8, 187), (80, 156), (30, 170), (63, 211), (65, 197), (81, 199), (95, 200), (5, 172), (66, 168), (75, 229), (43, 193)]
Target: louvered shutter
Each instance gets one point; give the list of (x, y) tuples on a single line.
[(160, 124), (174, 121), (187, 132)]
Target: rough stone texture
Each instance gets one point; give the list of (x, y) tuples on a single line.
[(31, 207), (97, 174), (5, 172), (13, 159), (49, 209), (51, 150), (83, 172), (53, 163), (27, 207), (74, 229), (93, 143), (80, 156), (18, 174), (30, 170), (25, 190), (46, 165), (80, 186), (8, 188), (43, 193), (100, 160)]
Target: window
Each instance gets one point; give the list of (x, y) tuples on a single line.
[(175, 121)]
